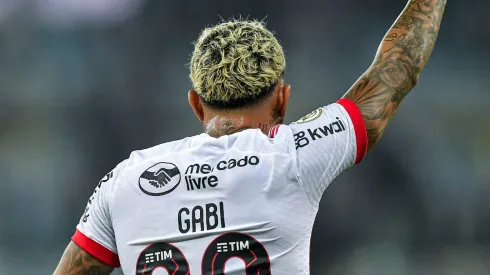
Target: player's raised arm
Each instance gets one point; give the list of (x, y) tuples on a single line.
[(399, 61), (76, 261)]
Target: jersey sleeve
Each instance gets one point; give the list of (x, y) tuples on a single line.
[(327, 141), (94, 232)]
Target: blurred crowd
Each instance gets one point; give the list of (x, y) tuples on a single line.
[(85, 82)]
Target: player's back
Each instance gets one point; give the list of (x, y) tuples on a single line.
[(213, 204), (239, 204)]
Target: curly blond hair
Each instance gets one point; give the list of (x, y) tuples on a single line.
[(235, 63)]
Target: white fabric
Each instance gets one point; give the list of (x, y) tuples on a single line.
[(267, 188)]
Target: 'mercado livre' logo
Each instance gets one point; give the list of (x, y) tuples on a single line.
[(160, 179)]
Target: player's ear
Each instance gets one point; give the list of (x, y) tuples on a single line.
[(283, 99), (196, 104)]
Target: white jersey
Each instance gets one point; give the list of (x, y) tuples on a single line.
[(239, 204)]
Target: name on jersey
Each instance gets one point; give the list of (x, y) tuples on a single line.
[(201, 218), (197, 175), (303, 138)]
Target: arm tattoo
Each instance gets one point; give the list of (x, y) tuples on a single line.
[(75, 261), (396, 69)]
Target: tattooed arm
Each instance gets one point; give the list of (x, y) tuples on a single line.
[(399, 61), (76, 261)]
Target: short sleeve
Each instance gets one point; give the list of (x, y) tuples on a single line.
[(327, 141), (94, 232)]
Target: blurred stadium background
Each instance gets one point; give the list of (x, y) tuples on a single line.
[(85, 82)]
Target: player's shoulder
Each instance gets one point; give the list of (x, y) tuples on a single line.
[(204, 146), (162, 149), (247, 140), (313, 118)]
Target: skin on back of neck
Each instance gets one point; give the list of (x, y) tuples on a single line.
[(221, 123)]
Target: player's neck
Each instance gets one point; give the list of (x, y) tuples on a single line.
[(220, 125)]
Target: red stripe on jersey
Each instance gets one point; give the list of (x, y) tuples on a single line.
[(273, 131), (277, 129), (95, 249), (359, 127)]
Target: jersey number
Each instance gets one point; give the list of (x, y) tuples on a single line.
[(218, 252)]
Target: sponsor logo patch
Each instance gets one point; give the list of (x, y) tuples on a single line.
[(303, 138), (160, 179), (311, 116)]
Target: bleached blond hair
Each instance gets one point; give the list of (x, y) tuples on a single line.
[(236, 63)]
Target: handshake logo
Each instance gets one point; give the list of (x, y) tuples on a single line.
[(160, 179)]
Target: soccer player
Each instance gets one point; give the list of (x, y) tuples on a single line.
[(242, 196)]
